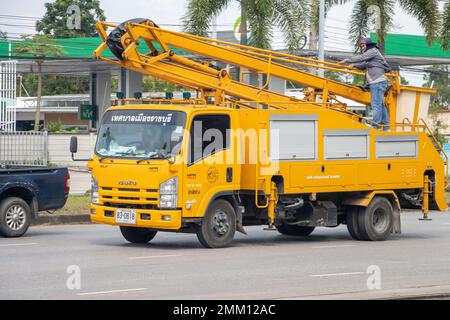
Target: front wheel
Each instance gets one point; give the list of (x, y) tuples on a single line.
[(137, 235), (15, 217), (219, 225)]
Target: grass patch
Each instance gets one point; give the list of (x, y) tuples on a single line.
[(447, 197), (76, 205)]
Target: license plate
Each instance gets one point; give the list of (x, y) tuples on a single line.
[(126, 216)]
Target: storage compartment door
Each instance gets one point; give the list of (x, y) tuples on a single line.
[(396, 147), (293, 137), (346, 144)]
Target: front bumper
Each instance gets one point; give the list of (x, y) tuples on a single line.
[(155, 222)]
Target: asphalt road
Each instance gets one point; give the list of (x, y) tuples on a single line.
[(262, 265)]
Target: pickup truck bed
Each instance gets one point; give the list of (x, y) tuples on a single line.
[(25, 191)]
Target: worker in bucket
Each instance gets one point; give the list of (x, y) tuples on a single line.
[(376, 68)]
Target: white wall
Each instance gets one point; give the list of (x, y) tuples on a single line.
[(59, 153)]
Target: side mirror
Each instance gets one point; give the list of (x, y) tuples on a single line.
[(74, 144)]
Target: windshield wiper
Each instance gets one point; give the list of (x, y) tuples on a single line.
[(155, 156)]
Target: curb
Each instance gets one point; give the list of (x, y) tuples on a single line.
[(61, 219)]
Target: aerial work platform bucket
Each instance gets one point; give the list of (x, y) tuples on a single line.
[(413, 104)]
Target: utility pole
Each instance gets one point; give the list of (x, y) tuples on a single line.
[(321, 53)]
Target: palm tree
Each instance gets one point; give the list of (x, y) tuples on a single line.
[(445, 33), (39, 47), (261, 16), (426, 11)]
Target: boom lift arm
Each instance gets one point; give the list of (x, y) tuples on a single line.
[(167, 65)]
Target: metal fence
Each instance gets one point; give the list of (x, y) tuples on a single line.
[(8, 75), (24, 148)]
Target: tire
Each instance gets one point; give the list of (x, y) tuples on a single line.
[(298, 231), (219, 225), (352, 214), (137, 235), (376, 221), (15, 217)]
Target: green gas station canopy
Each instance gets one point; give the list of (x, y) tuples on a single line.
[(412, 46), (75, 48)]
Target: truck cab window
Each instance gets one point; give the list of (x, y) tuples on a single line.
[(209, 134)]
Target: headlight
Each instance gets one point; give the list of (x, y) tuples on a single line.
[(168, 194), (94, 191)]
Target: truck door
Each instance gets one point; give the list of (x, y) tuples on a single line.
[(211, 165)]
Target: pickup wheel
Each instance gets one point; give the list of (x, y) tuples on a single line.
[(299, 231), (15, 217), (352, 222), (219, 225), (376, 221), (137, 235)]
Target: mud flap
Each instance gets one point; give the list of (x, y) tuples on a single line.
[(239, 226), (397, 226)]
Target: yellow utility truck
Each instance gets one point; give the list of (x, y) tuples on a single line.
[(238, 155)]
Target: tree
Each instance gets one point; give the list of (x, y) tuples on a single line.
[(54, 21), (438, 78), (426, 11), (445, 31), (3, 35), (260, 16), (39, 47), (438, 126), (55, 84)]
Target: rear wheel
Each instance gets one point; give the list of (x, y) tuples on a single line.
[(15, 217), (352, 222), (291, 230), (137, 235), (219, 225), (376, 221)]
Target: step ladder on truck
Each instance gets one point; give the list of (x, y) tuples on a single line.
[(238, 155)]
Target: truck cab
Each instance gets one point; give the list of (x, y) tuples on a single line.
[(159, 167)]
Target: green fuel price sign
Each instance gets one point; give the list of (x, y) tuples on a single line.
[(87, 112)]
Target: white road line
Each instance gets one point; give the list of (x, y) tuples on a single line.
[(109, 292), (332, 247), (17, 244), (155, 257), (337, 274)]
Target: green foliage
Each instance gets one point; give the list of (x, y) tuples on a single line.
[(439, 77), (445, 31), (261, 15), (55, 19), (39, 47), (54, 126), (438, 126), (151, 84), (426, 11), (56, 84)]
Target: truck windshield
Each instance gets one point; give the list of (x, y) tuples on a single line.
[(152, 134)]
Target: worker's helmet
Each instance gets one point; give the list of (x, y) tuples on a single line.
[(367, 41)]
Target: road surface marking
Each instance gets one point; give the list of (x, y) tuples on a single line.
[(332, 247), (17, 244), (111, 291), (337, 274), (155, 257)]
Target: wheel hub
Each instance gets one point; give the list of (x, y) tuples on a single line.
[(15, 217), (221, 226), (380, 220)]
